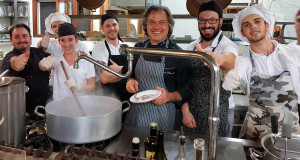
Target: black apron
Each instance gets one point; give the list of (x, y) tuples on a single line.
[(113, 89), (200, 105)]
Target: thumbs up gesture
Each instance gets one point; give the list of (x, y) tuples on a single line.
[(231, 79), (48, 62), (18, 62), (45, 40), (217, 57)]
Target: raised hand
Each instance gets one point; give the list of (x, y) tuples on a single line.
[(45, 40), (18, 62), (231, 79), (217, 57), (48, 62)]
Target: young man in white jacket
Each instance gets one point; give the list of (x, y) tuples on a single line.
[(271, 71)]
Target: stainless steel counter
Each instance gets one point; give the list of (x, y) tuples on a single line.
[(227, 148)]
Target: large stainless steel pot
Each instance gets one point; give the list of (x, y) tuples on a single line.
[(278, 148), (100, 118), (13, 112)]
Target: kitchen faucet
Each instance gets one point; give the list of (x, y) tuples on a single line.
[(215, 82)]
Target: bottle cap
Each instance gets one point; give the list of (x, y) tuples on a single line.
[(153, 124), (135, 140)]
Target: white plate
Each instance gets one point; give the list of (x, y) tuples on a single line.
[(145, 96)]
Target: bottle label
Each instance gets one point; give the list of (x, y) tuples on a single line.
[(150, 154)]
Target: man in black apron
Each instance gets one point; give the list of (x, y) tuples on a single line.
[(196, 112), (107, 53), (272, 74), (169, 75)]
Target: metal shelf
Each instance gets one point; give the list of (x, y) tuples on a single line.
[(7, 1), (130, 16)]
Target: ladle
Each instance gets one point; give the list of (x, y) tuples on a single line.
[(3, 73)]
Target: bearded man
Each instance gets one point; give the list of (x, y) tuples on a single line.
[(211, 41)]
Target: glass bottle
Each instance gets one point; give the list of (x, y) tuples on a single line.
[(160, 151), (150, 142), (199, 147), (181, 149), (135, 146)]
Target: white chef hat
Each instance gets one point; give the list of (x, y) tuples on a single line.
[(53, 17), (255, 9)]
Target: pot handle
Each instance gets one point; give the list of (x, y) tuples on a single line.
[(127, 108), (26, 89), (38, 113), (255, 154)]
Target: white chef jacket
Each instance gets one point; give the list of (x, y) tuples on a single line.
[(100, 52), (224, 46), (55, 48), (85, 71), (271, 65)]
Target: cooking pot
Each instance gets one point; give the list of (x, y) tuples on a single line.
[(274, 146), (99, 118), (13, 112)]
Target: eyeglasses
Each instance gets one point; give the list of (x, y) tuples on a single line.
[(210, 21)]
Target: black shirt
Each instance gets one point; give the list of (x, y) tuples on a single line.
[(36, 80), (177, 72)]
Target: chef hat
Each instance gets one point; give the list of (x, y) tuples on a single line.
[(255, 9), (53, 17), (210, 6), (108, 16), (66, 29)]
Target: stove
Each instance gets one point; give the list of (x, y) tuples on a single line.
[(38, 145)]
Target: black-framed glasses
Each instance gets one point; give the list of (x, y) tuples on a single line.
[(210, 21)]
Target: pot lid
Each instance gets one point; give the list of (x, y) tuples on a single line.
[(90, 4), (193, 5)]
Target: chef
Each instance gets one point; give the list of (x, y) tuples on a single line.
[(107, 53), (171, 76), (271, 73), (52, 46), (23, 61), (81, 80), (196, 112)]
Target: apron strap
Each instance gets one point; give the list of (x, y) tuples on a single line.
[(214, 48), (109, 52)]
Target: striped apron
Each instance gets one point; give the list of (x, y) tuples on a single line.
[(269, 95), (149, 75)]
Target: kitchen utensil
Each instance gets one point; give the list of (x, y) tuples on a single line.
[(12, 112), (65, 123), (145, 96), (284, 148), (73, 93), (193, 5), (90, 4)]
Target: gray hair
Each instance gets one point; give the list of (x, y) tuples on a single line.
[(171, 21)]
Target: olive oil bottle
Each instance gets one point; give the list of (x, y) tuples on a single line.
[(160, 150), (150, 142)]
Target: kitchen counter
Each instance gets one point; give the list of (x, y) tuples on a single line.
[(227, 148)]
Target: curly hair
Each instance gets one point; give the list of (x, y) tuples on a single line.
[(171, 21)]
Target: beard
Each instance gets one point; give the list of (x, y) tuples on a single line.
[(23, 48), (208, 37)]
